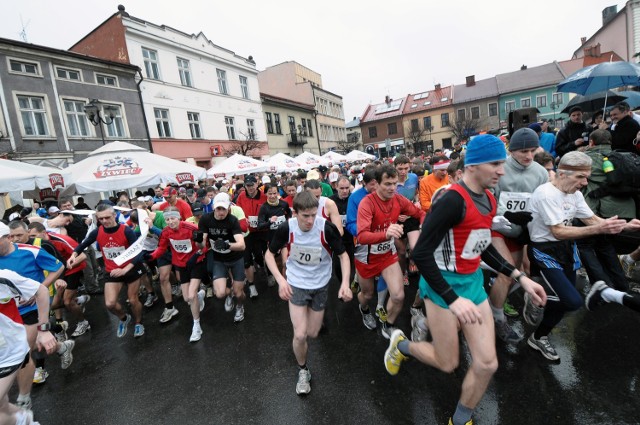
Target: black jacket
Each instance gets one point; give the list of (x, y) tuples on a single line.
[(565, 140), (622, 136)]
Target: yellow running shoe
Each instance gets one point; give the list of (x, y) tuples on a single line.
[(393, 358), (470, 422)]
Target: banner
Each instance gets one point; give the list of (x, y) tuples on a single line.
[(135, 249)]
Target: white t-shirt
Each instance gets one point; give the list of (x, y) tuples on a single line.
[(550, 206), (13, 336)]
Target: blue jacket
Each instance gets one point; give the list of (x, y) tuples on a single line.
[(352, 209)]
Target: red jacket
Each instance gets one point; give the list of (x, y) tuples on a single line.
[(182, 245), (251, 208)]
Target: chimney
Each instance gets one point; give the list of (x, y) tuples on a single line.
[(387, 99), (608, 13), (596, 51), (583, 40), (471, 80), (438, 86), (523, 67)]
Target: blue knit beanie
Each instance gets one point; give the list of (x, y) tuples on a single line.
[(484, 148)]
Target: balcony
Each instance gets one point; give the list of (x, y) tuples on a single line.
[(296, 139)]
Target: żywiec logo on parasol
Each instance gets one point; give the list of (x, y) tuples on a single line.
[(118, 166), (246, 164), (185, 178), (56, 180), (312, 161)]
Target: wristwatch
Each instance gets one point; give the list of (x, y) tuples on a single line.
[(45, 327)]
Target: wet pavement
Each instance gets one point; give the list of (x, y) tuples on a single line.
[(246, 373)]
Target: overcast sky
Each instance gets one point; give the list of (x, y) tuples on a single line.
[(364, 50)]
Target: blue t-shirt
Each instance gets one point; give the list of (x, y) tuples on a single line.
[(31, 262), (548, 143), (409, 187)]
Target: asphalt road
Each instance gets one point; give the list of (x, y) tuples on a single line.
[(246, 373)]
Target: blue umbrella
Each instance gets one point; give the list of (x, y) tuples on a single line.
[(601, 77), (632, 98)]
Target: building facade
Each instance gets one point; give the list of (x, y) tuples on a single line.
[(43, 95), (427, 119), (200, 99), (477, 103), (290, 125), (354, 134), (382, 128)]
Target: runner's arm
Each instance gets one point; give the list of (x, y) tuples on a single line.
[(352, 215), (365, 215), (334, 214), (86, 243)]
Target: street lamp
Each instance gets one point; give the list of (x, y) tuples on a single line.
[(93, 109), (553, 107)]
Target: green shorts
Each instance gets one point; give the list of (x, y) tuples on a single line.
[(470, 286)]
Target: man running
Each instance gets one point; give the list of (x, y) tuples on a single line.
[(272, 214), (327, 209)]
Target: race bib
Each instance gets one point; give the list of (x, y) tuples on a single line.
[(477, 242), (279, 220), (253, 221), (514, 202), (344, 220), (382, 247), (112, 253), (181, 246), (306, 254)]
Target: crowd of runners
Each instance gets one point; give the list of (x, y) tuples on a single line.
[(476, 224)]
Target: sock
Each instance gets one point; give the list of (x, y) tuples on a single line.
[(382, 296), (403, 347), (169, 305), (388, 324), (24, 397), (303, 367), (196, 322), (249, 283), (610, 295), (365, 310), (462, 415), (498, 313), (543, 330), (422, 324)]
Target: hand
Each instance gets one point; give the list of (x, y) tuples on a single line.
[(345, 293), (30, 301), (500, 223), (197, 236), (520, 218), (537, 292), (402, 218), (284, 289), (46, 341), (633, 225), (467, 312), (60, 285), (578, 142), (148, 221), (117, 272), (612, 225), (273, 219), (71, 262), (221, 245), (395, 231), (147, 257)]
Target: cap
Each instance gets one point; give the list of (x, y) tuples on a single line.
[(323, 169), (266, 179), (53, 210), (148, 198), (190, 192), (168, 191), (333, 177), (14, 216), (524, 138), (201, 193), (250, 180), (483, 149), (535, 127), (182, 190), (313, 175), (575, 109), (4, 229), (225, 181), (221, 200), (196, 208)]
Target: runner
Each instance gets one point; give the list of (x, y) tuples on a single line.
[(172, 200), (341, 199), (113, 239), (272, 214), (309, 241), (455, 235), (327, 209), (376, 255)]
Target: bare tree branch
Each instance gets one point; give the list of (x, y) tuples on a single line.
[(243, 147), (464, 127), (351, 143)]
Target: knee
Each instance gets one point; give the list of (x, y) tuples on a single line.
[(300, 337), (573, 303), (69, 302), (397, 298), (485, 367), (110, 304), (220, 293), (238, 291), (448, 365)]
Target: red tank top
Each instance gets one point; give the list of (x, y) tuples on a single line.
[(112, 245)]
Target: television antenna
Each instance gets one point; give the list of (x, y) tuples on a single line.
[(23, 33)]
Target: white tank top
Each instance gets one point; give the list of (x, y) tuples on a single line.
[(321, 208), (309, 261)]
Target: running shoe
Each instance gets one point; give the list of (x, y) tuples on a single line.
[(594, 297), (239, 316), (506, 333), (355, 287), (25, 416), (209, 292), (393, 358), (413, 269), (83, 299), (81, 328), (628, 265), (138, 330), (253, 292), (367, 319), (417, 333), (201, 294), (544, 346), (271, 281), (387, 330), (405, 279), (532, 313), (381, 314), (196, 333), (66, 358), (469, 422), (228, 303), (62, 335), (25, 404), (122, 326), (416, 311), (176, 290), (151, 300), (510, 310), (40, 376), (168, 314), (304, 382)]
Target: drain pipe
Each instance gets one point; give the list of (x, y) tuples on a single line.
[(144, 115)]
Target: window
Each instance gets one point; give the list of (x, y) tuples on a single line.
[(414, 125), (462, 115), (269, 123), (525, 103), (231, 130), (251, 129), (309, 128), (34, 115), (24, 67), (427, 123), (475, 112), (116, 128), (194, 125), (77, 124), (373, 132), (222, 81), (276, 118), (162, 122), (106, 80), (557, 98), (493, 109), (541, 101), (446, 143), (445, 119), (304, 130), (392, 128), (244, 87), (151, 66), (292, 124), (510, 106), (184, 68), (68, 74)]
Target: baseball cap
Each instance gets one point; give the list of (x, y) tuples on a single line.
[(53, 210), (313, 175), (196, 209), (266, 179), (221, 200), (333, 177), (202, 193), (168, 191), (250, 180), (14, 216), (4, 229), (323, 169), (182, 190), (190, 192)]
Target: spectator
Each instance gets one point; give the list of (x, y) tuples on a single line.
[(623, 128), (574, 134)]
